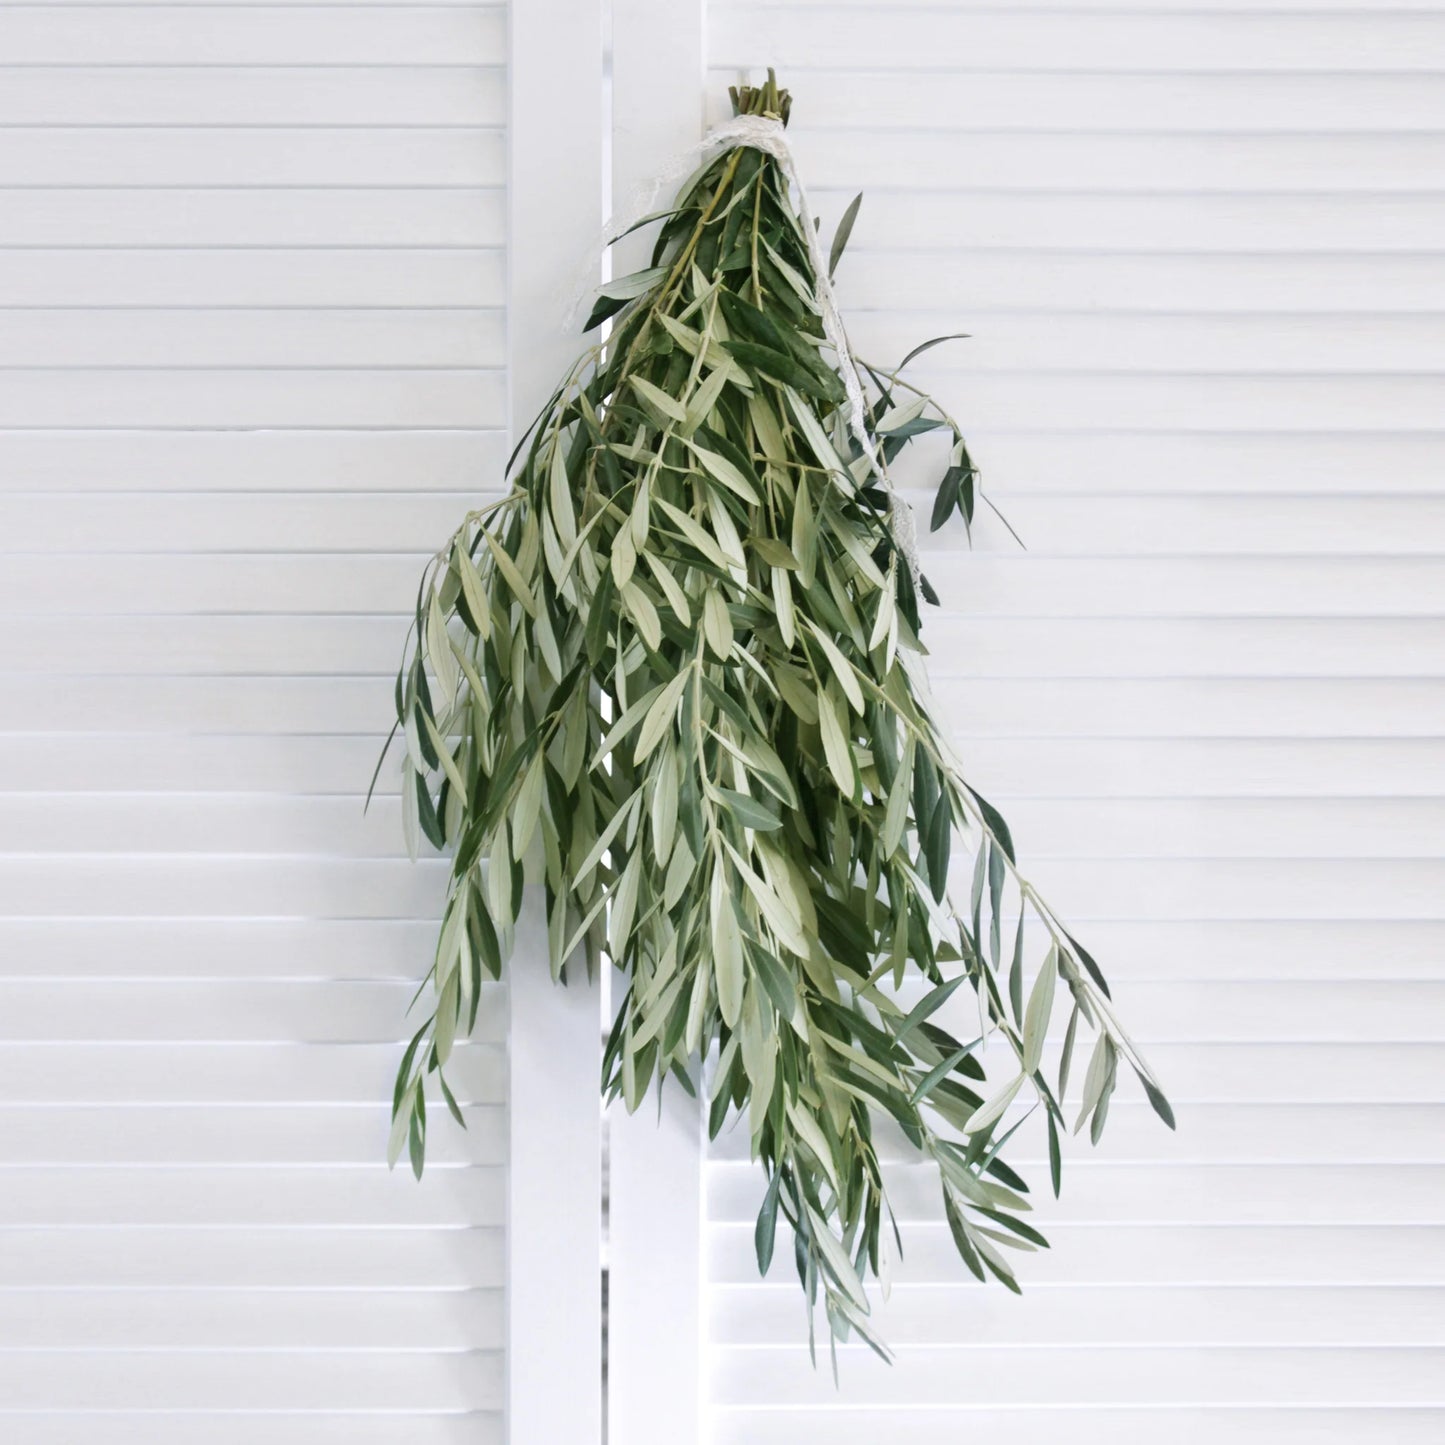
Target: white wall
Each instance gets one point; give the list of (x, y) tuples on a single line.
[(251, 326), (1197, 247), (253, 340)]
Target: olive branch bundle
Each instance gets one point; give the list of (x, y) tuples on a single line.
[(675, 665)]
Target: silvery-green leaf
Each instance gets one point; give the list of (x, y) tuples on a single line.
[(667, 406), (836, 747), (716, 625), (1040, 1010), (992, 1110)]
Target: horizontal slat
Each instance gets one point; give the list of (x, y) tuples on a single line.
[(1027, 461), (996, 648), (982, 281), (1266, 1137), (417, 520), (1195, 1073), (333, 1011), (196, 1145), (1228, 888), (252, 277), (1066, 340), (1215, 1193), (252, 156), (1188, 1011), (928, 38), (1329, 460), (177, 94), (979, 584), (253, 397), (225, 1380), (1281, 1071), (1144, 1375), (309, 948), (1287, 707), (1351, 1013), (1143, 888), (1198, 1422), (158, 1427), (1185, 647), (1274, 828), (1291, 707), (1033, 768), (1150, 1254), (110, 887), (1321, 826), (1256, 707), (326, 1258), (288, 1074), (1070, 400), (1243, 1315), (300, 34), (78, 947), (1033, 97), (182, 1319), (172, 461), (238, 1197), (213, 339), (1194, 525), (1291, 224), (205, 215), (1221, 584)]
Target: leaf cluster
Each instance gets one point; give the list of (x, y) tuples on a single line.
[(674, 672)]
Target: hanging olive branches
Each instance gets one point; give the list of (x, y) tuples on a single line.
[(673, 665)]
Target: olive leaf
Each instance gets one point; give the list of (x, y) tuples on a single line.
[(675, 673)]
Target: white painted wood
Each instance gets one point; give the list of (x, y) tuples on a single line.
[(554, 1283), (251, 252), (1196, 250), (655, 1156)]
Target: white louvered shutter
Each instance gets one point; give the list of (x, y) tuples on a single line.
[(252, 335), (1197, 250)]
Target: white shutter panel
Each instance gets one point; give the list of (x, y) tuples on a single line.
[(1196, 246), (251, 316)]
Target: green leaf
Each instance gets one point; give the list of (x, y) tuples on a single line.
[(836, 748), (929, 345), (749, 811), (1156, 1098), (478, 613), (1056, 1161), (1084, 957), (929, 1004), (1040, 1010), (767, 1224), (993, 821), (727, 949), (660, 716), (835, 1257), (842, 668), (512, 576), (668, 407), (946, 499), (937, 845), (844, 231), (938, 1073), (716, 624), (718, 466), (992, 1110)]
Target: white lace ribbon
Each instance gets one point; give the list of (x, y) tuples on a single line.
[(766, 134)]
